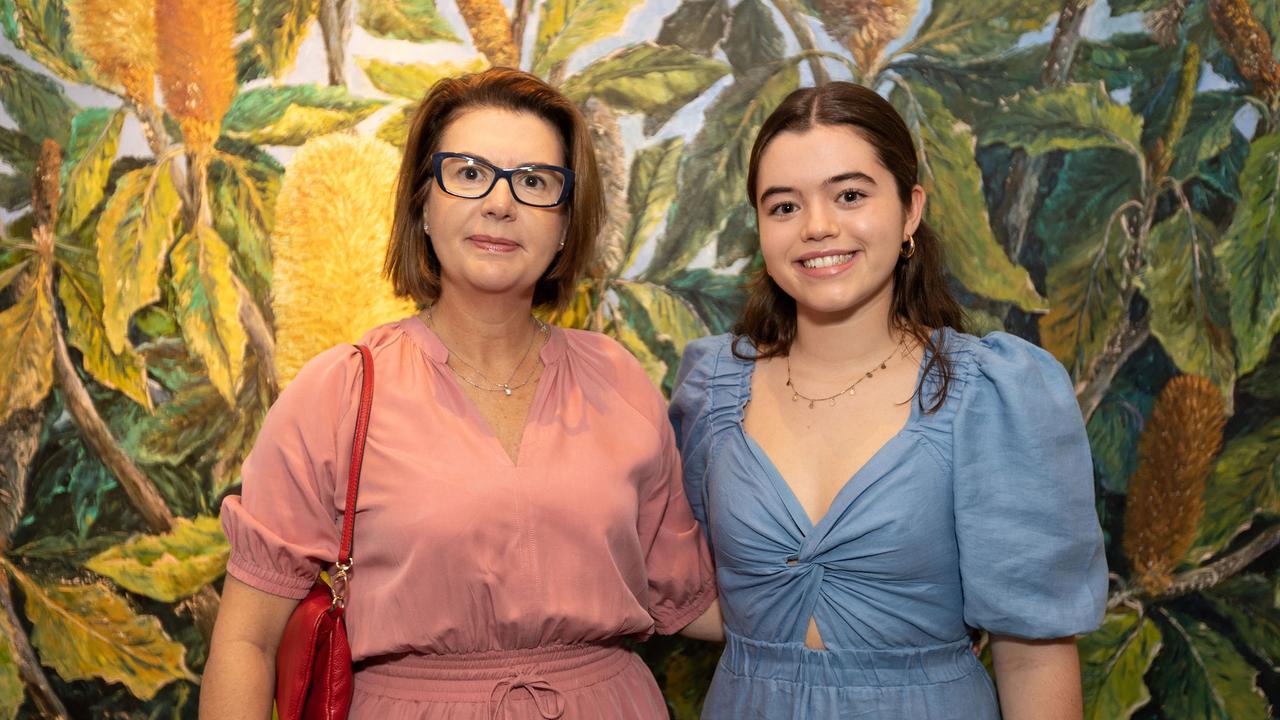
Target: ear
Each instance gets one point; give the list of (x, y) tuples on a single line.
[(915, 211)]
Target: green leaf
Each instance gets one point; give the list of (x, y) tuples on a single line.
[(40, 29), (695, 25), (290, 115), (1200, 675), (650, 192), (716, 297), (622, 329), (956, 207), (412, 81), (81, 293), (26, 348), (754, 39), (95, 138), (1250, 254), (20, 151), (1086, 303), (13, 272), (650, 79), (1244, 483), (1113, 660), (1114, 429), (416, 20), (568, 25), (1248, 601), (12, 689), (1208, 131), (973, 91), (1090, 186), (185, 423), (208, 306), (739, 238), (35, 102), (1189, 312), (278, 29), (244, 214), (134, 233), (714, 169), (85, 631), (962, 29), (88, 484), (170, 566), (663, 320), (1074, 117)]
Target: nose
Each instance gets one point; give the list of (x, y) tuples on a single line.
[(819, 223), (500, 203)]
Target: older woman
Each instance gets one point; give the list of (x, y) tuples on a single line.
[(521, 510)]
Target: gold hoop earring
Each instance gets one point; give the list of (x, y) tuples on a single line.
[(909, 247)]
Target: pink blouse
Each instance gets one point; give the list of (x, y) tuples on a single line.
[(588, 537)]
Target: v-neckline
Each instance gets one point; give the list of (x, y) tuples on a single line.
[(852, 486), (440, 356)]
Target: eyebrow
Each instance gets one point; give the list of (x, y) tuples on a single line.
[(833, 180), (478, 156)]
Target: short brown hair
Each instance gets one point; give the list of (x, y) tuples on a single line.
[(922, 301), (412, 265)]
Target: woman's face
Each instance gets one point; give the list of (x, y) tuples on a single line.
[(495, 244), (831, 224)]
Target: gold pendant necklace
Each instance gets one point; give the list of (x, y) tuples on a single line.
[(796, 395), (506, 387)]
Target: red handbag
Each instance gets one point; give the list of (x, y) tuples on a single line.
[(313, 664)]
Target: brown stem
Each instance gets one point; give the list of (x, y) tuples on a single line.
[(804, 36), (606, 136), (519, 19), (153, 130), (19, 440), (1023, 183), (1123, 344), (335, 25), (29, 669), (1203, 578), (260, 336)]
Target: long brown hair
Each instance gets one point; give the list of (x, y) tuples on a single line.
[(411, 264), (921, 299)]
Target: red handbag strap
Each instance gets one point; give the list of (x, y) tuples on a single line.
[(357, 455)]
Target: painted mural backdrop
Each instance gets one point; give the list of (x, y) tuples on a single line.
[(195, 197)]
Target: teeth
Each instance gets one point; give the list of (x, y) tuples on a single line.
[(827, 261)]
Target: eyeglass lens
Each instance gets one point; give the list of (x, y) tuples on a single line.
[(467, 177)]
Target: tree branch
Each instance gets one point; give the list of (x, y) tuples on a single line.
[(335, 25), (1122, 346), (29, 669), (804, 36), (260, 336), (1203, 578)]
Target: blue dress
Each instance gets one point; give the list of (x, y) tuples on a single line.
[(980, 514)]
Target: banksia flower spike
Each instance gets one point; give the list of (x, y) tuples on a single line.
[(866, 27), (197, 65), (1247, 42), (1166, 494), (490, 30), (333, 218), (118, 38), (45, 191)]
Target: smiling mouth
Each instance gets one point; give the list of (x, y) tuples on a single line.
[(826, 261)]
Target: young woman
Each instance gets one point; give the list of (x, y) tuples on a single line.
[(874, 481), (520, 510)]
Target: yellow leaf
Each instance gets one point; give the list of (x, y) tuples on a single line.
[(81, 295), (26, 348), (568, 25), (170, 566), (208, 307), (134, 233), (87, 631), (412, 81)]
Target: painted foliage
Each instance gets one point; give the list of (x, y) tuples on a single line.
[(195, 196)]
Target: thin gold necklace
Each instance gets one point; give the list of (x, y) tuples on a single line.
[(796, 395), (506, 387)]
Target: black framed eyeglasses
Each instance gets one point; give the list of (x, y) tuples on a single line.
[(469, 177)]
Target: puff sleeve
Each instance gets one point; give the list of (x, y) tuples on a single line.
[(690, 413), (1031, 552), (284, 526)]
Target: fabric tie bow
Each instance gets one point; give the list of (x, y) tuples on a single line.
[(549, 701)]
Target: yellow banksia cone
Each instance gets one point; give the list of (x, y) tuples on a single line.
[(197, 65), (118, 38), (1166, 492), (490, 30), (1249, 45), (333, 219), (866, 27)]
